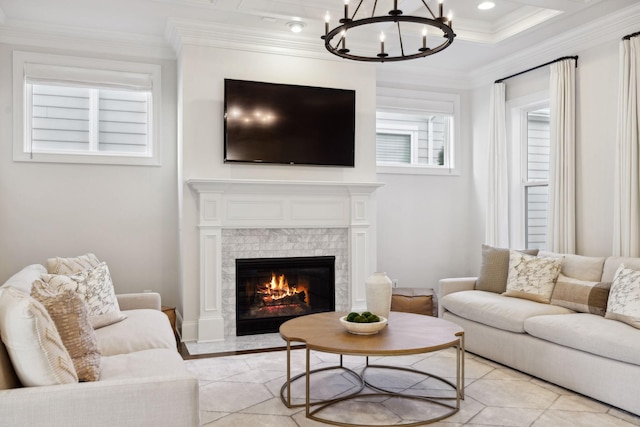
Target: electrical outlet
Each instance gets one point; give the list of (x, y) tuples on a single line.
[(395, 283)]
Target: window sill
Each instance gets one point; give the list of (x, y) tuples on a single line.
[(91, 159), (416, 170)]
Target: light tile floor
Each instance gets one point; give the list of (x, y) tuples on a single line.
[(244, 390)]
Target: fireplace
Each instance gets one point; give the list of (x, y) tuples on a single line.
[(270, 291)]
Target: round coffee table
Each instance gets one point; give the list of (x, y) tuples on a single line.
[(405, 334)]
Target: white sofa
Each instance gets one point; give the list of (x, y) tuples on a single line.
[(587, 353), (143, 380)]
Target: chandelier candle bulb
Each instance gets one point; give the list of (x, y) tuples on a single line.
[(327, 18), (441, 7), (381, 42), (346, 9), (450, 19), (424, 38)]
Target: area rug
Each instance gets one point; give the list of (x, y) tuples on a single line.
[(244, 390)]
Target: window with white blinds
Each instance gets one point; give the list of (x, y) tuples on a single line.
[(85, 115)]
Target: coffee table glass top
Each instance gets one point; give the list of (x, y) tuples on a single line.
[(406, 333)]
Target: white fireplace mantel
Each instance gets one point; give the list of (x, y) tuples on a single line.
[(280, 204)]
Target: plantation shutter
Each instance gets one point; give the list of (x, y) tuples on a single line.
[(393, 148), (80, 110)]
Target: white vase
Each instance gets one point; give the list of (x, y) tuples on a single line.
[(378, 294)]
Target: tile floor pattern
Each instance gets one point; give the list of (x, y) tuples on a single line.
[(243, 390)]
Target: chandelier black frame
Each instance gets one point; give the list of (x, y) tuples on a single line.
[(396, 16)]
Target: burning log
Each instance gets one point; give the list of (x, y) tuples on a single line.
[(295, 299)]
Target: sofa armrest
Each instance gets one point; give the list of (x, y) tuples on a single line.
[(151, 401), (449, 286), (139, 300)]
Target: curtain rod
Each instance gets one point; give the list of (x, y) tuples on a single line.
[(539, 66), (627, 37)]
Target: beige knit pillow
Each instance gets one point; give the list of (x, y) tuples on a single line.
[(37, 353), (73, 265), (69, 313), (495, 268), (96, 289)]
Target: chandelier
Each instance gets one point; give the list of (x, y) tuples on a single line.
[(335, 40)]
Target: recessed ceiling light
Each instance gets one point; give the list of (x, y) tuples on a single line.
[(486, 5), (295, 26)]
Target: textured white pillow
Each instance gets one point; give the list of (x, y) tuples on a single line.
[(72, 265), (37, 353), (624, 297), (96, 289), (532, 277)]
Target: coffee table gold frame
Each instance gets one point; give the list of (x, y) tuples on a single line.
[(405, 334)]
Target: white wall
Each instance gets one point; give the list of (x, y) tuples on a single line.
[(423, 220), (126, 215), (202, 71)]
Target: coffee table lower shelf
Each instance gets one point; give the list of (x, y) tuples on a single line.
[(439, 406)]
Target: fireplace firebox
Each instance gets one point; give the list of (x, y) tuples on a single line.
[(270, 291)]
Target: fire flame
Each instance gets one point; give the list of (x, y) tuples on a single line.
[(278, 288)]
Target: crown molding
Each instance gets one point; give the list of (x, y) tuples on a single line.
[(606, 29), (82, 39), (181, 32), (511, 26)]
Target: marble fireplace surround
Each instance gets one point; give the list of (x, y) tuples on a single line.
[(246, 218)]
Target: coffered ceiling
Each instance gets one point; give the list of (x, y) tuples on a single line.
[(483, 36)]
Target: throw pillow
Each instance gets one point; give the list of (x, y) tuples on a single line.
[(581, 295), (495, 268), (73, 265), (36, 350), (624, 297), (69, 313), (531, 277), (96, 289)]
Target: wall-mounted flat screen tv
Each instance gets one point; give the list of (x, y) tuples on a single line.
[(288, 124)]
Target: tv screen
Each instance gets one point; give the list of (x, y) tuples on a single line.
[(287, 124)]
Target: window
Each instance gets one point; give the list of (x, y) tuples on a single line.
[(415, 132), (406, 139), (76, 113), (536, 183), (529, 166)]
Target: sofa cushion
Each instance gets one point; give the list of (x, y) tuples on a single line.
[(143, 329), (32, 341), (72, 265), (624, 297), (612, 263), (532, 277), (23, 279), (580, 267), (69, 313), (496, 310), (581, 295), (96, 289), (146, 363), (495, 268), (590, 333)]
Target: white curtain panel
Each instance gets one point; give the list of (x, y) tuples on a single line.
[(561, 235), (497, 219), (626, 218)]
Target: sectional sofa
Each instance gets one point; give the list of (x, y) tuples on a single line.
[(573, 348), (143, 380)]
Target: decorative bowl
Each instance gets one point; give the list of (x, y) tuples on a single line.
[(363, 328)]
